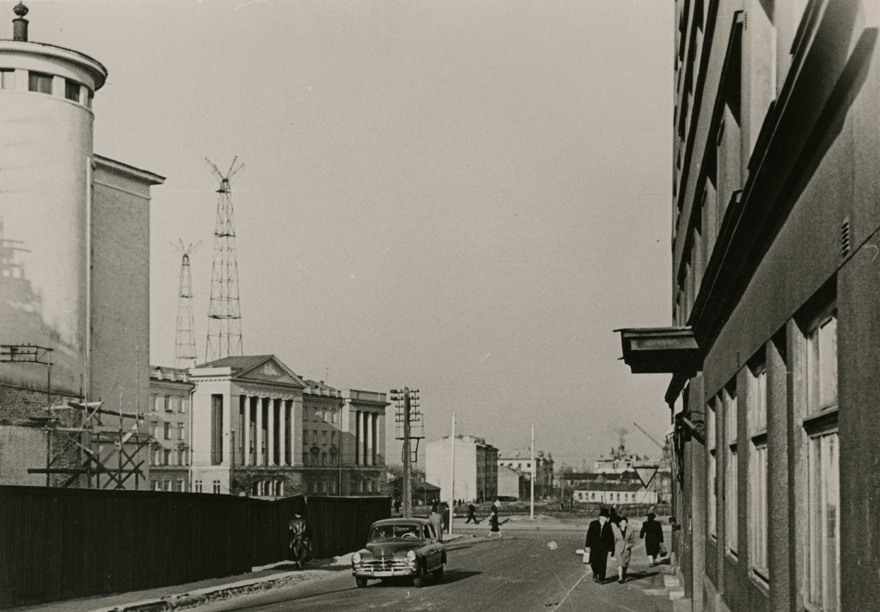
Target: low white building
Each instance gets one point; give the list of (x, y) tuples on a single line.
[(476, 468)]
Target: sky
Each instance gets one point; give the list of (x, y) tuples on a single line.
[(465, 197)]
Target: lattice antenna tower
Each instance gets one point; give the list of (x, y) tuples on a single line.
[(185, 335), (224, 312)]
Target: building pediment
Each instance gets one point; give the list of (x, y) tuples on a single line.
[(270, 370)]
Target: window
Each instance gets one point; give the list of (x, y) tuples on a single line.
[(7, 79), (711, 476), (181, 457), (323, 459), (757, 401), (166, 456), (317, 415), (198, 486), (217, 429), (167, 402), (327, 414), (153, 403), (154, 485), (315, 437), (156, 457), (731, 472), (333, 438), (823, 470), (167, 428), (71, 90), (324, 437), (181, 434), (216, 486), (40, 83)]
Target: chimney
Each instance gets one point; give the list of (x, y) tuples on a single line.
[(20, 24)]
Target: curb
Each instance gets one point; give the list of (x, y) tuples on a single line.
[(202, 596)]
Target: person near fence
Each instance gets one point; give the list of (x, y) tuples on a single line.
[(600, 541), (437, 520), (300, 540), (652, 533), (624, 540), (397, 506)]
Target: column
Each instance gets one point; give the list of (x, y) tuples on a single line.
[(368, 450), (282, 432), (359, 427), (246, 431), (270, 448), (259, 437), (375, 446)]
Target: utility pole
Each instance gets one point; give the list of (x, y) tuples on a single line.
[(452, 477), (408, 418), (407, 463), (532, 507)]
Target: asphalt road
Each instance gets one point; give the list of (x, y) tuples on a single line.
[(519, 572)]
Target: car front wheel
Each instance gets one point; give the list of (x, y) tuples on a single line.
[(361, 582), (419, 580), (438, 574)]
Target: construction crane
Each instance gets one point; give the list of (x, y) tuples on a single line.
[(664, 447)]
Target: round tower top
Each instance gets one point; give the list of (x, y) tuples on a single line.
[(20, 9)]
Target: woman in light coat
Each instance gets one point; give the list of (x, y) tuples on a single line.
[(624, 541)]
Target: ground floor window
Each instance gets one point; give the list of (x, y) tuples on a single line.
[(758, 510), (197, 487), (823, 483), (216, 486)]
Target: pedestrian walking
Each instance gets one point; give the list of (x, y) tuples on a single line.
[(472, 514), (436, 520), (614, 515), (599, 542), (299, 542), (624, 540), (494, 522), (652, 533)]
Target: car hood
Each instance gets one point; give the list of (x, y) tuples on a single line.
[(389, 549)]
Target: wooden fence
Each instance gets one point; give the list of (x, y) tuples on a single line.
[(58, 544)]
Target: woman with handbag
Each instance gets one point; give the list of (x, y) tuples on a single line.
[(652, 533)]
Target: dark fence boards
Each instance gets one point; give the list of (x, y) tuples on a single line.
[(64, 543)]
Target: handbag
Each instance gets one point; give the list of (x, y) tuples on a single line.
[(663, 552), (586, 556)]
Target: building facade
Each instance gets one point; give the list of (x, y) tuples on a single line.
[(476, 468), (772, 346), (170, 420), (60, 286), (512, 484), (521, 462), (364, 438)]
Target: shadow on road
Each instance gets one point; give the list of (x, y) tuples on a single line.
[(639, 575)]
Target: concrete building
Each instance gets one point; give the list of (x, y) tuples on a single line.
[(476, 468), (772, 347), (364, 439), (521, 462), (170, 420), (61, 286), (618, 461)]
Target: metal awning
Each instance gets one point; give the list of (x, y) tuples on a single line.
[(660, 350)]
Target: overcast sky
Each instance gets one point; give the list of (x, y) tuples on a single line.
[(466, 197)]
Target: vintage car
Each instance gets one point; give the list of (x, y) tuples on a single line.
[(400, 548)]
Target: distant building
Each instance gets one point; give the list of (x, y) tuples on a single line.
[(521, 462), (619, 460), (476, 467), (607, 488), (364, 423), (512, 484), (169, 421)]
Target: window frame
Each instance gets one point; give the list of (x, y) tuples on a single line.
[(758, 509), (731, 471)]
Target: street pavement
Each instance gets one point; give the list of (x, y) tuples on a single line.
[(522, 571)]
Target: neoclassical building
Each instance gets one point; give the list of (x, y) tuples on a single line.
[(260, 429)]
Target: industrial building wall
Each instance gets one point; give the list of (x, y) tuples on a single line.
[(120, 290)]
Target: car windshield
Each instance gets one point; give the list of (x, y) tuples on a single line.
[(394, 532)]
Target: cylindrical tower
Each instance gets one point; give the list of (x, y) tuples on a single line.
[(46, 127)]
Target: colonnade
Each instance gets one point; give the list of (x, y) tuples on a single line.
[(367, 437), (266, 431)]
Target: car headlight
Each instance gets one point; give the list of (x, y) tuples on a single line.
[(356, 558), (411, 556)]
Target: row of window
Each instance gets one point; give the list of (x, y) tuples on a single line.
[(168, 403), (177, 484), (165, 431), (199, 488), (315, 439), (820, 453), (320, 459), (322, 487), (40, 82), (609, 497), (267, 488), (169, 457), (326, 415)]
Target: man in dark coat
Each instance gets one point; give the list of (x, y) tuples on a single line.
[(652, 532), (600, 541), (472, 514)]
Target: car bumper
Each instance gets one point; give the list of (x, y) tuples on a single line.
[(394, 572)]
